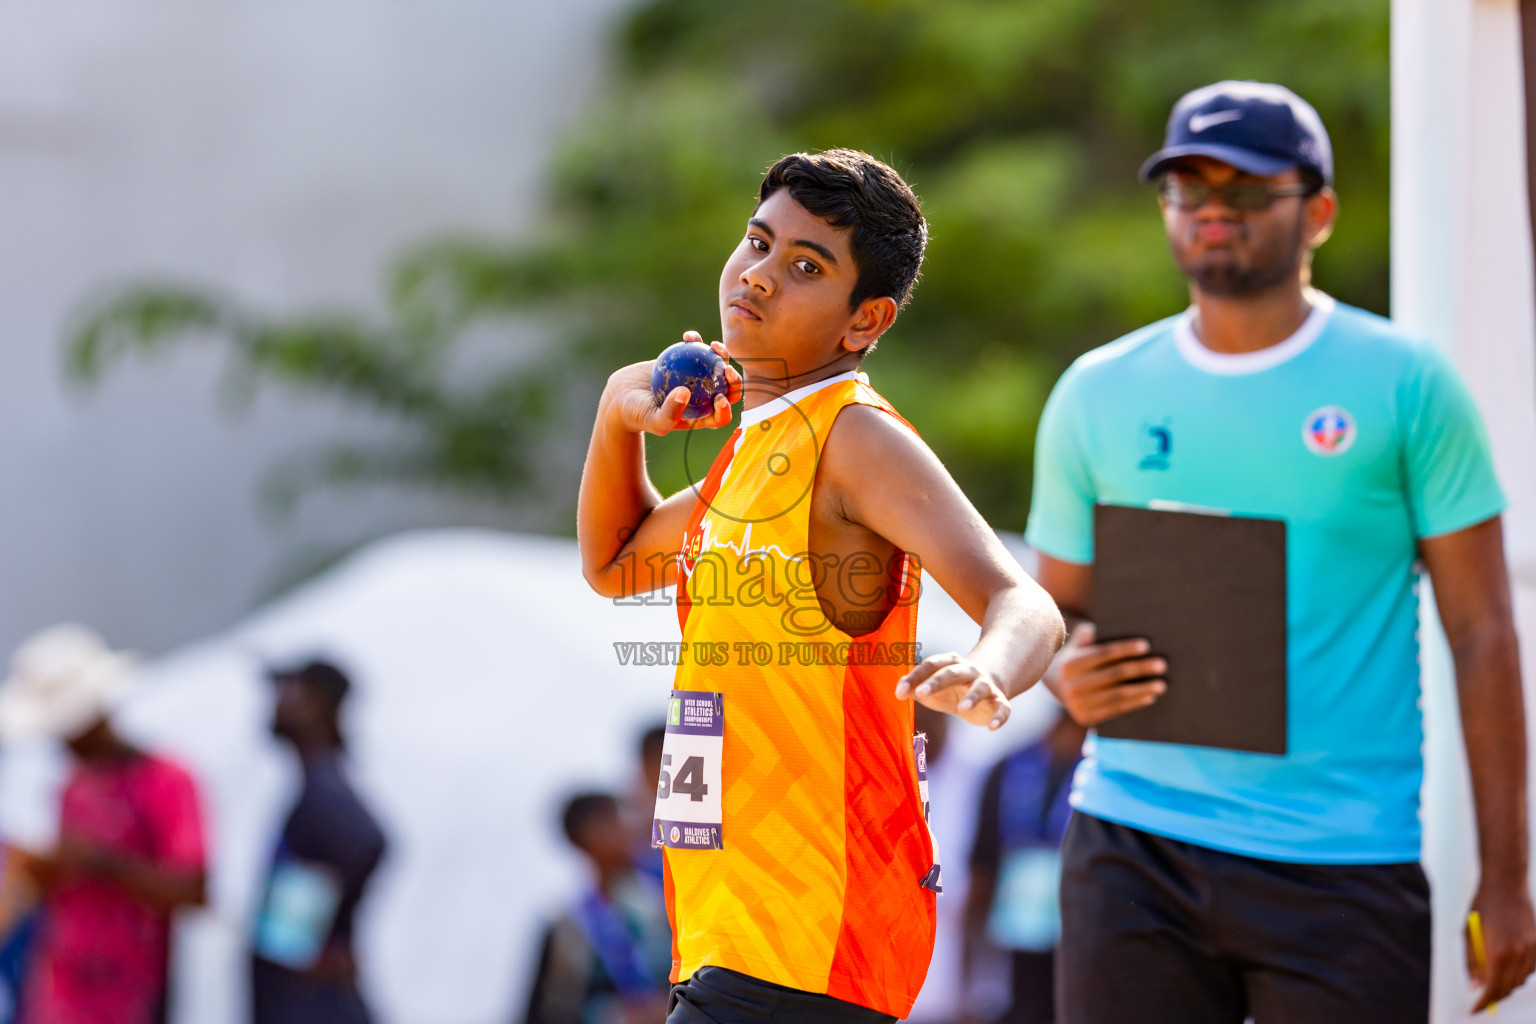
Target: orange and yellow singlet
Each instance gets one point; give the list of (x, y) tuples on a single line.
[(797, 850)]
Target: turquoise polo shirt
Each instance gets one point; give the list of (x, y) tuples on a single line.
[(1363, 439)]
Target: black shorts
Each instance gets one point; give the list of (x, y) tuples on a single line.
[(715, 995), (1156, 931)]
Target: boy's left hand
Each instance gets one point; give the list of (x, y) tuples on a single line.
[(954, 684)]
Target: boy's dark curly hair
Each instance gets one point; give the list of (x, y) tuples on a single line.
[(849, 189)]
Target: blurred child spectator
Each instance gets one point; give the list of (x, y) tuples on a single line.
[(130, 849), (304, 970), (607, 959), (1014, 902), (639, 805)]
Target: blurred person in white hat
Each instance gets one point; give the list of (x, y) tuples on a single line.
[(130, 849)]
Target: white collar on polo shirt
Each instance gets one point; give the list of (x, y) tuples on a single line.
[(1231, 364)]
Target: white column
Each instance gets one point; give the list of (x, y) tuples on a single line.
[(1461, 274)]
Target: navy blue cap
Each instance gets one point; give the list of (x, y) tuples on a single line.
[(1258, 128), (319, 675)]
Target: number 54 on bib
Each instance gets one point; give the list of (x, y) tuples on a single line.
[(688, 792)]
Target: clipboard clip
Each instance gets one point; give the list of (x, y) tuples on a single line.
[(1162, 505)]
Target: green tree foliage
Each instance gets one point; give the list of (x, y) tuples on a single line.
[(1020, 123)]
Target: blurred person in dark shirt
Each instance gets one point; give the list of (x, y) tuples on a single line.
[(130, 849), (1013, 903), (607, 959), (304, 970), (954, 788)]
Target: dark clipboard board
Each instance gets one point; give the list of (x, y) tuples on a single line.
[(1208, 590)]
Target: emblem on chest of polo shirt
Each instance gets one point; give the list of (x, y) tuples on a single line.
[(1156, 443), (1329, 431)]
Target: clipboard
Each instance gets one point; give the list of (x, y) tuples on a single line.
[(1208, 590)]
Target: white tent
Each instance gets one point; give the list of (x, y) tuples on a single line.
[(488, 688)]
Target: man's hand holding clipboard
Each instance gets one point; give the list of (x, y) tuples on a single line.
[(1093, 681)]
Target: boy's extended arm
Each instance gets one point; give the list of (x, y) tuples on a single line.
[(889, 481), (626, 531)]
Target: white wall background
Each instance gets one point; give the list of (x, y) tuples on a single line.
[(283, 150), (1462, 274)]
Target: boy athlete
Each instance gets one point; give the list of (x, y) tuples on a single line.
[(800, 874)]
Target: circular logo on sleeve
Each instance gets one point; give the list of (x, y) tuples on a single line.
[(1329, 431)]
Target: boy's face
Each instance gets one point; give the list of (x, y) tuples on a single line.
[(784, 293), (605, 840)]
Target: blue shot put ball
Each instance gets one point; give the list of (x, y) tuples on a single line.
[(695, 365)]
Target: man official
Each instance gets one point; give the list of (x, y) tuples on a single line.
[(1207, 885)]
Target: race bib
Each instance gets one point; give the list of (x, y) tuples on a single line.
[(1026, 911), (688, 792), (296, 918)]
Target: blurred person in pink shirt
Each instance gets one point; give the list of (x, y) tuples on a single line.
[(130, 849)]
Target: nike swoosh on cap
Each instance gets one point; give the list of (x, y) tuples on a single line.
[(1200, 122)]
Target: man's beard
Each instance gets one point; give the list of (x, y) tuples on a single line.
[(1224, 274)]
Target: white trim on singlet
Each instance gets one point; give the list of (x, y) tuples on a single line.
[(789, 398), (1231, 364)]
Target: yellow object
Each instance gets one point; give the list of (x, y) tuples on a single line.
[(1479, 952)]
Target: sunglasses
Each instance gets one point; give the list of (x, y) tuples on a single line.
[(1248, 196)]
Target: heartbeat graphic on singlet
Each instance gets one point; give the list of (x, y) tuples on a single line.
[(744, 549)]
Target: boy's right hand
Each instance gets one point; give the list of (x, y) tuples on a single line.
[(1091, 679), (631, 405)]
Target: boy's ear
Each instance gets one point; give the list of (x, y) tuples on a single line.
[(872, 319)]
